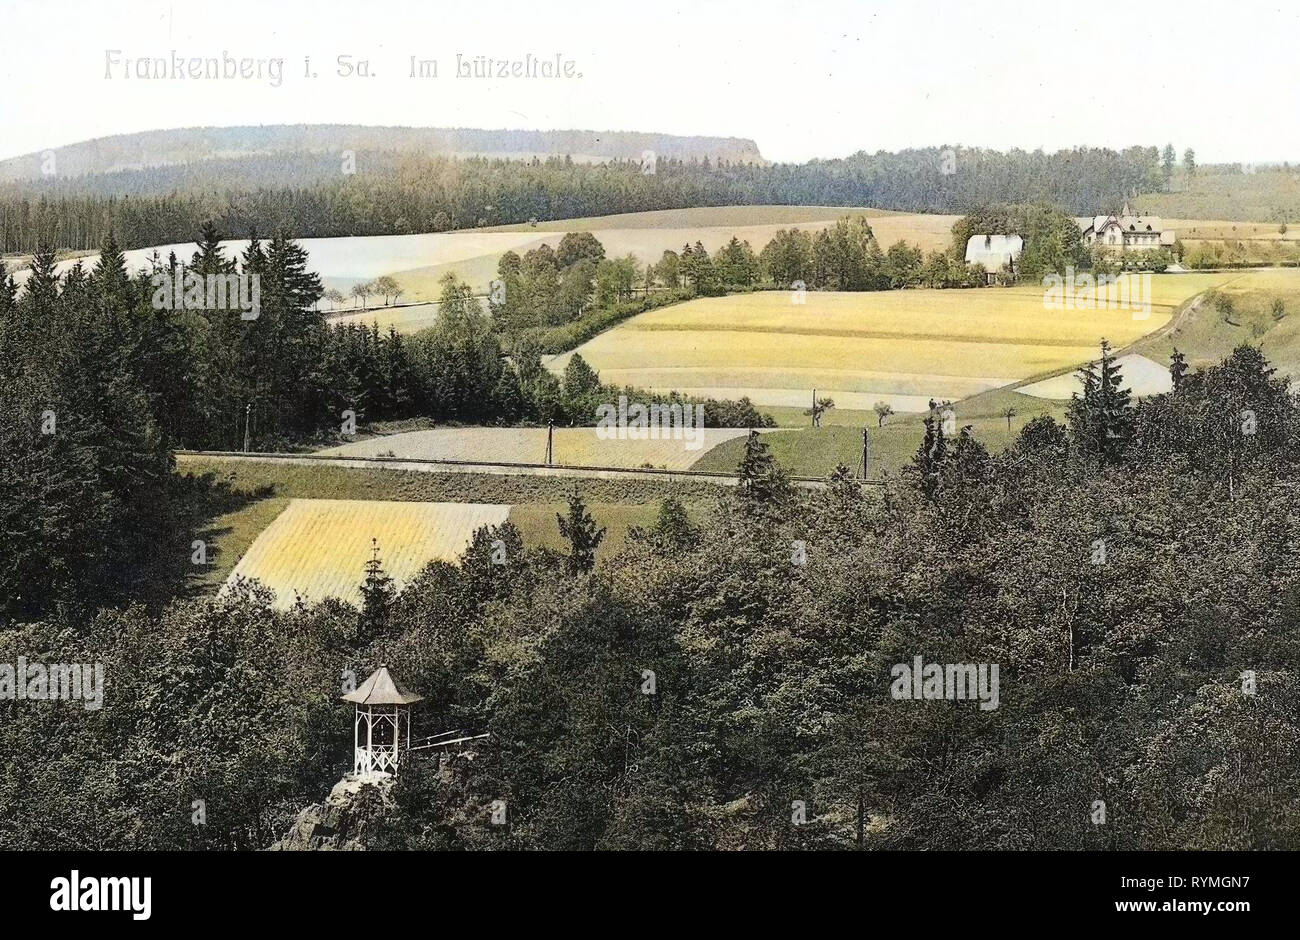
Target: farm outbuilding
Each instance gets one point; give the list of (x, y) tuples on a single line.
[(994, 252)]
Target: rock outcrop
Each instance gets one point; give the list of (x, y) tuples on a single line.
[(338, 824)]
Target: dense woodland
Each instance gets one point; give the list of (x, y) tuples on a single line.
[(1121, 670), (390, 193)]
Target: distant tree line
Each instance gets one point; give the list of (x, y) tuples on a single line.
[(390, 193)]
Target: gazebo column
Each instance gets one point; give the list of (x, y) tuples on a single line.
[(370, 739)]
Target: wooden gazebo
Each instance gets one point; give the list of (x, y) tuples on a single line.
[(382, 728)]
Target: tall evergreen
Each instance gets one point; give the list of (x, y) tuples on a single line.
[(377, 594), (761, 482), (1101, 418), (579, 530), (931, 457)]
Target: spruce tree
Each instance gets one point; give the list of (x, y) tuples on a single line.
[(1101, 419), (43, 283), (109, 272), (672, 528), (932, 456), (210, 258), (8, 294), (579, 529), (377, 593), (507, 396)]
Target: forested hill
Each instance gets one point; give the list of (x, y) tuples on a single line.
[(313, 194), (96, 164)]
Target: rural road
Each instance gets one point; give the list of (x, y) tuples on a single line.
[(498, 469)]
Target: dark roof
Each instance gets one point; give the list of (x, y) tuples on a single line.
[(382, 689)]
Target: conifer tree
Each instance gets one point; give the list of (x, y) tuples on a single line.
[(1177, 368), (210, 257), (932, 456), (8, 293), (579, 529), (109, 273), (672, 528), (377, 593), (1101, 419), (43, 283), (508, 397)]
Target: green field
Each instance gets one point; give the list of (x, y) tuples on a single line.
[(816, 451), (409, 318)]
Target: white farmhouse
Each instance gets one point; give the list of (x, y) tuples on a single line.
[(994, 252)]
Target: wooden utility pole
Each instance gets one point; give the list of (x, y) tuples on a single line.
[(248, 414), (550, 435), (866, 453)]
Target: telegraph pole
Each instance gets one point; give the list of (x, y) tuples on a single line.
[(866, 453), (550, 434), (248, 414)]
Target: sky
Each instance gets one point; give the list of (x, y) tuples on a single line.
[(806, 79)]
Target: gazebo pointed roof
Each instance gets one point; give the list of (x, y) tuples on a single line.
[(382, 689)]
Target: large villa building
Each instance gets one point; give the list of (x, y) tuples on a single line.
[(1126, 232)]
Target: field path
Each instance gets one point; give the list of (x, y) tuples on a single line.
[(500, 469)]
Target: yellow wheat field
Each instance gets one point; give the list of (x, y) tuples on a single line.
[(572, 447), (902, 347), (318, 548)]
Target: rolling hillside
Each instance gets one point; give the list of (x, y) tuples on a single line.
[(193, 146)]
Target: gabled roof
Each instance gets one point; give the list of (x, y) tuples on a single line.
[(993, 251), (1128, 223), (382, 689)]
